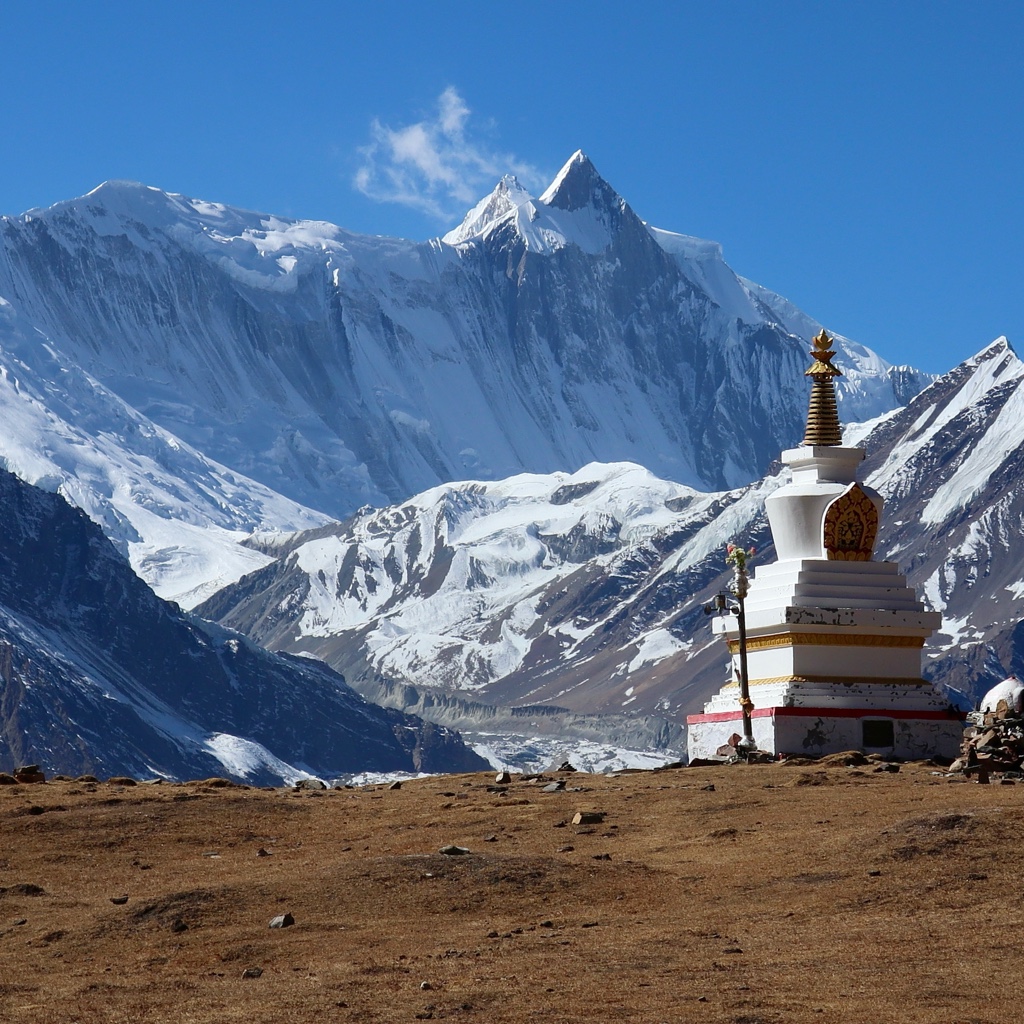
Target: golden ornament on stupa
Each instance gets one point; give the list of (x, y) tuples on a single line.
[(822, 415)]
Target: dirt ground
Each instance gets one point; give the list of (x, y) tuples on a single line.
[(749, 895)]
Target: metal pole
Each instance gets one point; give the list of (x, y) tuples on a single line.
[(748, 744), (740, 586)]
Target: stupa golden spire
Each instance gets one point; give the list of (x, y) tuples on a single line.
[(822, 416)]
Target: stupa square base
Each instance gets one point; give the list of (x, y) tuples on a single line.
[(814, 732)]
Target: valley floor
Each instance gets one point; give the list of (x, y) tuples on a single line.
[(772, 894)]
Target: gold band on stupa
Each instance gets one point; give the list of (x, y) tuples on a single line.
[(822, 415)]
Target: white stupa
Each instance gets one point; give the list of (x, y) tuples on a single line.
[(834, 638)]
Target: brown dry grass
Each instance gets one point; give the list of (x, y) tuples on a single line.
[(786, 894)]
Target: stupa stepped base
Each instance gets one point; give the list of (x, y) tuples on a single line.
[(842, 645), (811, 717), (812, 582), (814, 732), (882, 696)]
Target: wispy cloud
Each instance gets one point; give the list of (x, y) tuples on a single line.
[(440, 165)]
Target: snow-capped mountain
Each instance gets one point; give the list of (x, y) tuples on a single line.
[(176, 366), (99, 675), (585, 591)]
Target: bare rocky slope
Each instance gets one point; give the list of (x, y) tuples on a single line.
[(767, 894)]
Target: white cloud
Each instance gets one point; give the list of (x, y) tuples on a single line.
[(436, 165)]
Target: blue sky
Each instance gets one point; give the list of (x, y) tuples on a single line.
[(862, 159)]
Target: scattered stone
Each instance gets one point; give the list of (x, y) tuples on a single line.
[(602, 856), (732, 949), (709, 788), (29, 773), (262, 853), (87, 778), (395, 785), (491, 839), (875, 873), (492, 935), (7, 780), (553, 787), (454, 851), (252, 972), (120, 780), (177, 925), (282, 921), (892, 768), (310, 784), (19, 921), (1004, 781), (589, 924), (588, 818), (210, 853), (546, 924), (560, 824), (565, 767), (119, 901), (502, 778), (565, 849), (426, 986)]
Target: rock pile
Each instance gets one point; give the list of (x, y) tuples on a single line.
[(993, 742), (994, 737)]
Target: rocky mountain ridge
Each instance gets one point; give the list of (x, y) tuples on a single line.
[(100, 676)]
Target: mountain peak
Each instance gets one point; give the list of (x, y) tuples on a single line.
[(577, 185), (122, 198), (508, 194)]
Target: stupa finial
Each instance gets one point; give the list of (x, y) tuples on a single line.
[(822, 415)]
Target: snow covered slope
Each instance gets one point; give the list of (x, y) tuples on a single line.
[(951, 467), (565, 591), (176, 514), (172, 339), (99, 675), (584, 591)]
